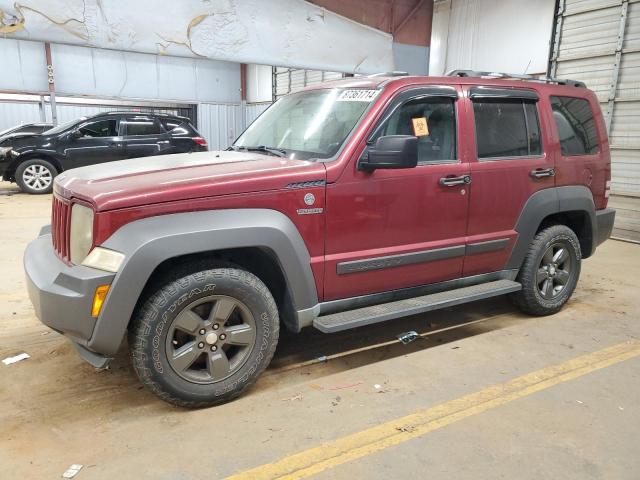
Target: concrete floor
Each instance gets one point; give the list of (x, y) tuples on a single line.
[(57, 410)]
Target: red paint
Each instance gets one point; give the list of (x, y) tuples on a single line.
[(366, 215)]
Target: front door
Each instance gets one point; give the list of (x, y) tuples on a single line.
[(144, 136), (510, 162), (98, 142), (391, 229)]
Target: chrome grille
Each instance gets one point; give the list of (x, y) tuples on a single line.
[(60, 218)]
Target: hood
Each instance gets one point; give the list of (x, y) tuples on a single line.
[(12, 139), (166, 178)]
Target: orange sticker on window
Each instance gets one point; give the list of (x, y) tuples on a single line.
[(420, 128)]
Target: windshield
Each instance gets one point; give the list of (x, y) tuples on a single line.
[(310, 124), (63, 127)]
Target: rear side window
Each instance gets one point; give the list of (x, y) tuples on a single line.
[(175, 127), (506, 128), (576, 125), (142, 126)]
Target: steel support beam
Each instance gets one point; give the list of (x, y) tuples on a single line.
[(613, 86)]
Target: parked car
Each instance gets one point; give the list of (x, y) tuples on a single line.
[(346, 204), (22, 130), (33, 161)]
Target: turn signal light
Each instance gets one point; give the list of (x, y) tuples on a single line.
[(98, 299)]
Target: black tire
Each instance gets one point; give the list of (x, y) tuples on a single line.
[(544, 293), (157, 337), (36, 176)]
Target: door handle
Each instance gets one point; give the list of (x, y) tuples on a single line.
[(543, 172), (453, 181), (163, 142), (114, 144)]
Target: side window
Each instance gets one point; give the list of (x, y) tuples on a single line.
[(506, 128), (100, 128), (174, 127), (142, 126), (576, 126), (433, 121)]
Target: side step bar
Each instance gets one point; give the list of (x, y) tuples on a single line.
[(337, 322)]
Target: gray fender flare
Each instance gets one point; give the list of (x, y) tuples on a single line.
[(148, 242), (544, 203)]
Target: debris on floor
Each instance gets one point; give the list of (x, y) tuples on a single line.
[(407, 428), (321, 359), (377, 386), (407, 337), (295, 397), (15, 359), (72, 471), (342, 387)]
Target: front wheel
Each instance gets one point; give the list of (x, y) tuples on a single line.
[(35, 176), (550, 271), (203, 339)]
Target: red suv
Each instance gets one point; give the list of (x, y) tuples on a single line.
[(350, 203)]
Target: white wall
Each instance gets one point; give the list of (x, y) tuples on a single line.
[(496, 35), (259, 83), (290, 33), (413, 59), (107, 73)]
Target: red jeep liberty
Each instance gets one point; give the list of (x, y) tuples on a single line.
[(346, 204)]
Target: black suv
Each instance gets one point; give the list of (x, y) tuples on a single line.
[(33, 161)]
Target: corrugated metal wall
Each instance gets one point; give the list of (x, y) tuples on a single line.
[(495, 35), (253, 111), (17, 113), (220, 124), (598, 42), (289, 80)]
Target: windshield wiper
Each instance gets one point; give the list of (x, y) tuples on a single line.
[(278, 152)]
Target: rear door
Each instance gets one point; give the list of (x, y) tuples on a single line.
[(144, 136), (509, 162)]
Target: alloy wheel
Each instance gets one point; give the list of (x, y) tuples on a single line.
[(210, 339), (37, 177), (554, 270)]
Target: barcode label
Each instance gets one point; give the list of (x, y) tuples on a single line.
[(357, 95)]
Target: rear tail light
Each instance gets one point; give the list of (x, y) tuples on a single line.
[(199, 141), (607, 189)]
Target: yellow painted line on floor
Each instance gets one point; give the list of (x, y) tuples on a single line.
[(366, 442)]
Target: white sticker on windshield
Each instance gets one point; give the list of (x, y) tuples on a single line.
[(358, 95)]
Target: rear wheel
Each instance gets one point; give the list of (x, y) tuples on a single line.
[(550, 271), (203, 339), (35, 176)]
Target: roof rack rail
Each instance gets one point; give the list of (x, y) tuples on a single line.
[(394, 73), (531, 78)]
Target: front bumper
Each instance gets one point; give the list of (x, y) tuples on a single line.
[(604, 221), (62, 295)]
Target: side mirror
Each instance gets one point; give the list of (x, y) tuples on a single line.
[(75, 134), (392, 151)]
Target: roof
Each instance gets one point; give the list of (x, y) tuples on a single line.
[(379, 81), (129, 112)]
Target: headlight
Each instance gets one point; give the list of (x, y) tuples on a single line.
[(81, 234), (4, 151), (104, 259)]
